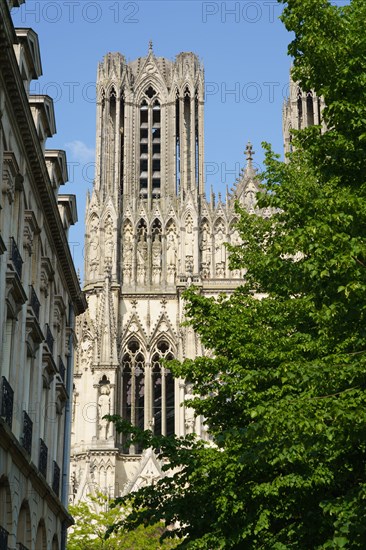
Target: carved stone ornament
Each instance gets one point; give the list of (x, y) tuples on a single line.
[(47, 274), (31, 228), (12, 179)]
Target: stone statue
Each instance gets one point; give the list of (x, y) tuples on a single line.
[(93, 248), (189, 237), (142, 251), (189, 416), (104, 407), (127, 246), (108, 244), (171, 244), (156, 251), (205, 248), (219, 251)]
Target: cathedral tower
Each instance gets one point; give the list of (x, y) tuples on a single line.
[(300, 110), (150, 233)]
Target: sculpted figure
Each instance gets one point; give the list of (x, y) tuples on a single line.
[(127, 246), (189, 237), (156, 251), (189, 416), (108, 244), (104, 407), (142, 251), (171, 244), (93, 248), (205, 246)]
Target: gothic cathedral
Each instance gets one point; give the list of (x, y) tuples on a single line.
[(150, 233)]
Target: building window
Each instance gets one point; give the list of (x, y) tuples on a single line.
[(177, 143), (133, 388), (162, 390), (146, 409), (310, 108), (150, 145), (299, 107)]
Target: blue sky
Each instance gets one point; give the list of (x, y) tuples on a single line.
[(242, 45)]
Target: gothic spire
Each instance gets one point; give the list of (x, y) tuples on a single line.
[(249, 153)]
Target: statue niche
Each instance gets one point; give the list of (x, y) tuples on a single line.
[(141, 252), (93, 247), (156, 251), (172, 252), (108, 243), (127, 253), (220, 251), (189, 244), (205, 249)]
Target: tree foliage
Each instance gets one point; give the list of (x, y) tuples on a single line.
[(92, 521), (284, 394)]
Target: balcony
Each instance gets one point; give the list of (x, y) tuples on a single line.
[(61, 369), (47, 354), (49, 339), (3, 538), (15, 257), (26, 439), (56, 478), (15, 294), (43, 457), (34, 302), (60, 383), (34, 334), (7, 400)]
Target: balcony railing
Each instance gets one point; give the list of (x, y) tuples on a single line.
[(27, 433), (61, 369), (7, 400), (43, 456), (34, 302), (16, 257), (56, 478), (49, 338), (3, 538)]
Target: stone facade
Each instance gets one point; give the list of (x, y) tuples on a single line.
[(39, 298), (150, 233)]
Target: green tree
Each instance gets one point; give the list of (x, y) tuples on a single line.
[(284, 395), (93, 520)]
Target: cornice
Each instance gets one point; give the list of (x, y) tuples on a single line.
[(23, 116)]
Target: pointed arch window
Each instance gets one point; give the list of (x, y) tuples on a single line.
[(177, 143), (148, 397), (310, 108), (187, 132), (299, 107), (163, 390), (133, 388)]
